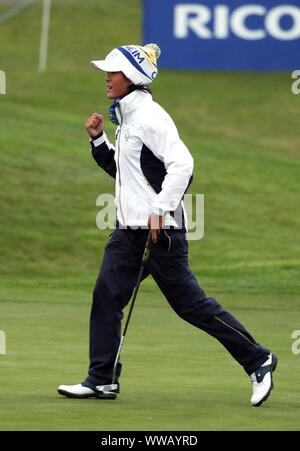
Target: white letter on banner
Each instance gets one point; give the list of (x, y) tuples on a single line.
[(221, 30), (238, 22), (182, 21), (273, 22)]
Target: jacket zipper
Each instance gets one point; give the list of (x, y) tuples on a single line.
[(120, 183)]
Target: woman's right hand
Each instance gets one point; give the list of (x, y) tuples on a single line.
[(94, 125)]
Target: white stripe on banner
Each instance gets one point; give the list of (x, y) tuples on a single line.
[(44, 35)]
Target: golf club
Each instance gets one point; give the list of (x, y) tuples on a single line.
[(146, 255)]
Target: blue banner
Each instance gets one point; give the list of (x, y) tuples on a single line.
[(224, 34)]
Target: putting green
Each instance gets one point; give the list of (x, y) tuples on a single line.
[(242, 130)]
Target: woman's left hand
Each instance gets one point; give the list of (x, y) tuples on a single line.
[(155, 223)]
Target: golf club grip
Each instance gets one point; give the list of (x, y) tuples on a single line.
[(146, 253)]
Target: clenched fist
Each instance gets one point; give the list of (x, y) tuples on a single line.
[(94, 125)]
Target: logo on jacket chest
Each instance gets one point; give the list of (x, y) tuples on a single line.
[(129, 141), (123, 132), (127, 135)]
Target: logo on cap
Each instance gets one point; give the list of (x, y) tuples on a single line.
[(142, 59)]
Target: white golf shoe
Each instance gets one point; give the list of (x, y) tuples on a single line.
[(85, 390), (262, 381)]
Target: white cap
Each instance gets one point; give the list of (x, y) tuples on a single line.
[(138, 64)]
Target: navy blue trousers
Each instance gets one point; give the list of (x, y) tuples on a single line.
[(168, 265)]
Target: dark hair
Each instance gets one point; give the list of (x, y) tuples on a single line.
[(141, 87)]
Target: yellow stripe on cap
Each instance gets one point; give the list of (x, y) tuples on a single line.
[(150, 60)]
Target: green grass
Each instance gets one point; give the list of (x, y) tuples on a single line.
[(175, 378), (243, 132)]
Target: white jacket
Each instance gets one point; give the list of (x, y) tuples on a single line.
[(152, 166)]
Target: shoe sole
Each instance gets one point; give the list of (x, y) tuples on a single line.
[(274, 365), (92, 395)]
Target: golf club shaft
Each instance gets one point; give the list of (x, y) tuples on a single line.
[(144, 259)]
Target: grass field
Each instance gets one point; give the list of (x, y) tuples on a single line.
[(242, 130)]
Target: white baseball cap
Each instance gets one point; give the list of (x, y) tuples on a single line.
[(138, 64)]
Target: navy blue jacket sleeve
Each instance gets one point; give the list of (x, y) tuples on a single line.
[(104, 155)]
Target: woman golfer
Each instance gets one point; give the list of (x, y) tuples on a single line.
[(153, 169)]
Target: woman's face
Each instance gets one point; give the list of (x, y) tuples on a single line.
[(117, 85)]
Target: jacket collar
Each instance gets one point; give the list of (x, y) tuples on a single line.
[(131, 103)]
